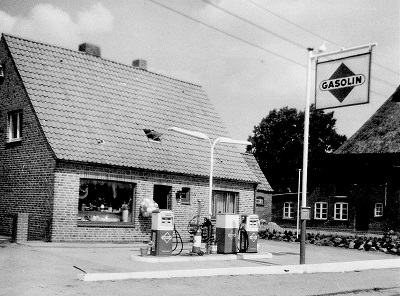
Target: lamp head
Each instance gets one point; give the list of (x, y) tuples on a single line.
[(193, 134)]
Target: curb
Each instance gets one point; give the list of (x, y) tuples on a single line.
[(210, 257), (284, 269)]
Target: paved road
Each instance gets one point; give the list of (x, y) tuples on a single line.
[(48, 269)]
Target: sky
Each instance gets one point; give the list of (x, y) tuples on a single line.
[(250, 56)]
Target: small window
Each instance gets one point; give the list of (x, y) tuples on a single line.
[(260, 201), (153, 135), (341, 211), (224, 202), (378, 211), (321, 211), (184, 196), (288, 210), (15, 126)]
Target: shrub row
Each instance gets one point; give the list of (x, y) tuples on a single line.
[(389, 243)]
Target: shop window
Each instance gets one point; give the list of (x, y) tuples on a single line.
[(378, 210), (288, 210), (321, 211), (224, 202), (105, 201), (341, 211), (260, 201), (15, 126)]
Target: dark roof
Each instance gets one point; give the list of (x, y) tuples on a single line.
[(98, 111), (253, 164), (380, 134)]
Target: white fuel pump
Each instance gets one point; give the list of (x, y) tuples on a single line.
[(162, 227), (248, 233)]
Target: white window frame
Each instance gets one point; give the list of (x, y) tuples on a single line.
[(321, 211), (341, 211), (288, 210), (378, 210), (15, 132), (260, 201)]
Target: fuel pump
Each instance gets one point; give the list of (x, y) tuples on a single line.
[(162, 227), (248, 233), (226, 233)]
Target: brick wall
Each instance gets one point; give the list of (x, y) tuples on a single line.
[(65, 225), (265, 211), (26, 167)]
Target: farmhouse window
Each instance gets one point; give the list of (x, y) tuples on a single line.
[(105, 201), (288, 210), (15, 126), (341, 211), (321, 211), (378, 211), (224, 202), (260, 201)]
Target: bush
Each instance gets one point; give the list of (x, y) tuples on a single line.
[(389, 243)]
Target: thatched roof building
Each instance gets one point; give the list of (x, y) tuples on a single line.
[(380, 134)]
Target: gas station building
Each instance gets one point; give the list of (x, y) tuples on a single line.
[(87, 142)]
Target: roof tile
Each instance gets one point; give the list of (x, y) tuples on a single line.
[(81, 99)]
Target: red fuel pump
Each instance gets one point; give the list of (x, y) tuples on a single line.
[(226, 233)]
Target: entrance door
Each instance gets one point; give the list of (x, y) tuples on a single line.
[(162, 196)]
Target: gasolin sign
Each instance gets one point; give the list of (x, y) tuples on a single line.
[(342, 82)]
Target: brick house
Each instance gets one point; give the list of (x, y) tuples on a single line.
[(84, 137), (264, 191), (359, 189)]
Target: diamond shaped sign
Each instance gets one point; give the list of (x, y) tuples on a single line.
[(341, 93), (166, 237), (342, 82)]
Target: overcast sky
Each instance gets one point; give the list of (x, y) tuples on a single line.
[(250, 56)]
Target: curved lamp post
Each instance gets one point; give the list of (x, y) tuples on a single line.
[(202, 136)]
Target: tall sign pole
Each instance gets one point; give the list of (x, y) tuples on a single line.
[(305, 160), (340, 81)]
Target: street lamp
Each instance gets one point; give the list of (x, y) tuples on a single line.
[(202, 136)]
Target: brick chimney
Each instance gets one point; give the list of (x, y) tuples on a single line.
[(141, 64), (90, 49)]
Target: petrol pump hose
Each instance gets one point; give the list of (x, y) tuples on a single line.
[(178, 239), (243, 243)]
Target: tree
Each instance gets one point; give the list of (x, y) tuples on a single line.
[(278, 145)]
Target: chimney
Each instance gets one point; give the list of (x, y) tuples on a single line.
[(90, 49), (141, 64)]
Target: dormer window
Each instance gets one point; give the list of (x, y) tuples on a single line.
[(15, 126), (153, 135)]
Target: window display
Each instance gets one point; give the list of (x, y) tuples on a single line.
[(105, 201)]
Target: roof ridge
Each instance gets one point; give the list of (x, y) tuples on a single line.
[(104, 59)]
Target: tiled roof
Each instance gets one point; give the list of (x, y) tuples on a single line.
[(95, 110), (254, 166), (380, 134)]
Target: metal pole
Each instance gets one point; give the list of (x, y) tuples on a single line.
[(211, 177), (298, 204), (305, 158)]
